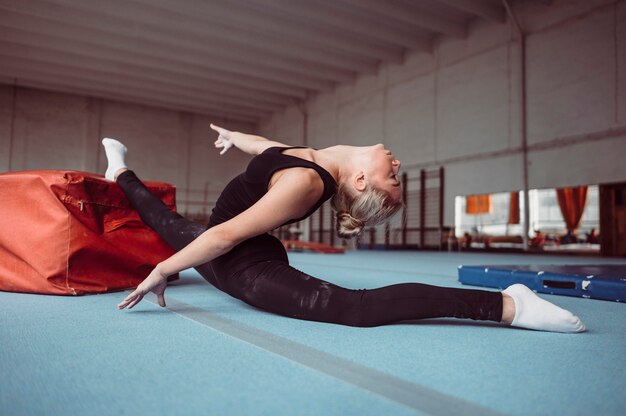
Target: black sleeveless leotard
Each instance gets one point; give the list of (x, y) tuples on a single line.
[(246, 189), (257, 271)]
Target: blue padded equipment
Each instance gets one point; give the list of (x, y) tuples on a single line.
[(605, 282)]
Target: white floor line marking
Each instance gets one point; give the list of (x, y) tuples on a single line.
[(410, 394)]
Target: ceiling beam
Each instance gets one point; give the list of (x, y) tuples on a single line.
[(490, 11), (329, 16), (394, 10), (28, 69), (176, 32), (226, 57), (166, 77), (52, 29), (113, 69), (42, 34), (94, 93), (240, 16), (130, 99)]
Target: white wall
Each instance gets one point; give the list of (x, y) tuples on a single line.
[(460, 106), (48, 130)]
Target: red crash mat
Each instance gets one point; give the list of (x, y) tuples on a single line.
[(72, 233)]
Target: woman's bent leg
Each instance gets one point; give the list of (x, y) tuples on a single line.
[(176, 230), (277, 287)]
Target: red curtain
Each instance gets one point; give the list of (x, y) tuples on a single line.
[(572, 203), (514, 208), (479, 204)]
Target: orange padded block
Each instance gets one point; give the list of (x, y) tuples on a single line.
[(72, 233)]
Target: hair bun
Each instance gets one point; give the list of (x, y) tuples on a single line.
[(348, 226)]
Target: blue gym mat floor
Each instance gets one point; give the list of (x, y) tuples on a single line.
[(210, 354)]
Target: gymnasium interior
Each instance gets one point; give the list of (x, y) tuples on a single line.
[(509, 118)]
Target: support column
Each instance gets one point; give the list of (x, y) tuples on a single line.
[(422, 208), (92, 136), (8, 95), (523, 122)]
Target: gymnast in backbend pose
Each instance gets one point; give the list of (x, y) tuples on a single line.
[(284, 184)]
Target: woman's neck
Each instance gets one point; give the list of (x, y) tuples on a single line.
[(338, 160)]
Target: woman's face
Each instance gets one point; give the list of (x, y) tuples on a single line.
[(383, 171)]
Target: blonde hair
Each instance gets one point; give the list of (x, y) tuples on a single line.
[(370, 207)]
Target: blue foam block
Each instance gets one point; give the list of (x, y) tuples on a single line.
[(606, 282)]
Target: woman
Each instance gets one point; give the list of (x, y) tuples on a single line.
[(284, 184)]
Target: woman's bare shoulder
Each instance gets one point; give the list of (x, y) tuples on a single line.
[(306, 180)]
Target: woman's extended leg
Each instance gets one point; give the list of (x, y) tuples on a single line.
[(277, 287)]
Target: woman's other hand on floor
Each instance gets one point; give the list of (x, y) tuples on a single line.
[(223, 140), (155, 282)]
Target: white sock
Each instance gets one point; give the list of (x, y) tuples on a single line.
[(115, 152), (532, 312)]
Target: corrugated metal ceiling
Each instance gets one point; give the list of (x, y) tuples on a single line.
[(235, 59)]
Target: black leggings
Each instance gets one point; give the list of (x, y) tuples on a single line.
[(257, 272)]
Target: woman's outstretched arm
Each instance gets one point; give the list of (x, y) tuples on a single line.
[(247, 143)]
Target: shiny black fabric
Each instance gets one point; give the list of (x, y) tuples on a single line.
[(257, 272)]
